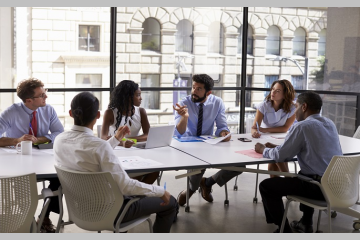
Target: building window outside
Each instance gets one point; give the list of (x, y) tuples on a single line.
[(250, 41), (273, 41), (299, 42), (298, 82), (150, 99), (151, 35), (89, 38), (247, 93), (90, 81), (184, 36), (217, 83), (269, 79), (322, 43), (216, 38)]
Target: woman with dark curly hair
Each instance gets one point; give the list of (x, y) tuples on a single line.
[(124, 110), (276, 114)]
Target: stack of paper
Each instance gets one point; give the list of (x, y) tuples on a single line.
[(136, 162)]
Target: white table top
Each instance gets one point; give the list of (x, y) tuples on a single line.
[(42, 162), (223, 153)]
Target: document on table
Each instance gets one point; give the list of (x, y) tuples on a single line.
[(250, 153), (10, 150), (279, 136), (132, 162), (188, 139), (126, 149), (213, 139)]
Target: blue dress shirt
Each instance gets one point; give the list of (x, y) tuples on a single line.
[(15, 120), (213, 112), (315, 141)]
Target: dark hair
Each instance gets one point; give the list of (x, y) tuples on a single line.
[(26, 87), (84, 108), (204, 79), (122, 98), (289, 94), (312, 99)]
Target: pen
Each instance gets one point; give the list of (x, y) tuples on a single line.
[(257, 126), (31, 129), (165, 186)]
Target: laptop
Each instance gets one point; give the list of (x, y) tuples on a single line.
[(158, 137)]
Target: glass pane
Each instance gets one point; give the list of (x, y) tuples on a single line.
[(7, 99), (184, 36), (151, 35), (342, 111), (150, 99), (299, 42)]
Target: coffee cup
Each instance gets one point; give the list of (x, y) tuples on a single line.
[(24, 147)]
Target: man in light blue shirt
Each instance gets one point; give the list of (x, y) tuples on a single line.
[(314, 140), (204, 108), (15, 121), (32, 120)]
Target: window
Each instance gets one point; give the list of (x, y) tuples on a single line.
[(217, 83), (273, 41), (90, 81), (247, 93), (150, 99), (299, 42), (298, 82), (151, 35), (216, 38), (89, 38), (269, 79), (184, 36), (322, 43), (250, 41)]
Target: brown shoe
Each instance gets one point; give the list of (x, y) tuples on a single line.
[(47, 226), (206, 191), (181, 199)]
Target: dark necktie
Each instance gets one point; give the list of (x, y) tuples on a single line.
[(200, 119), (33, 126)]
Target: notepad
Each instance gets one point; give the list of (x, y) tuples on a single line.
[(250, 153)]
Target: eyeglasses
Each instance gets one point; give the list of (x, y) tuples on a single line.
[(43, 95)]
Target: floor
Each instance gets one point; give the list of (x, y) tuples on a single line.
[(240, 216)]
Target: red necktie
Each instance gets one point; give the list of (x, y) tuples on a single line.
[(33, 124)]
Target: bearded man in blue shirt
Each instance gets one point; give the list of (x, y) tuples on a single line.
[(196, 115)]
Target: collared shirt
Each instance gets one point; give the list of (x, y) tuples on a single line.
[(79, 150), (15, 121), (274, 118), (314, 141), (213, 112)]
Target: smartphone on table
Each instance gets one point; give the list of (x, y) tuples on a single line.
[(244, 139)]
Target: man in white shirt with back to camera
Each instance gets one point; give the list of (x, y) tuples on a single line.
[(93, 154)]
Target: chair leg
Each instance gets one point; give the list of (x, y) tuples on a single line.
[(295, 167), (329, 219), (150, 225), (318, 222), (159, 178), (284, 216), (235, 186), (226, 202)]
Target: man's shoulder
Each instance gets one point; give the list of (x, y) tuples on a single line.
[(13, 108)]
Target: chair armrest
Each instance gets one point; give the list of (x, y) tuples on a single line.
[(122, 215)]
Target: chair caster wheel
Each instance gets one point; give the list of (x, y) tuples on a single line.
[(356, 225), (226, 202), (235, 188), (187, 209), (254, 200), (333, 214)]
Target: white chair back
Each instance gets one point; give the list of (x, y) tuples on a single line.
[(93, 199), (341, 181), (18, 203), (357, 133)]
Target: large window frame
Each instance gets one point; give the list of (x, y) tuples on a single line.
[(242, 87)]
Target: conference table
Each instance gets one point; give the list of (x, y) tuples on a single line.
[(191, 156)]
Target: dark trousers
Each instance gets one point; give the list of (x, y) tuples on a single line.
[(273, 189), (165, 215), (54, 203)]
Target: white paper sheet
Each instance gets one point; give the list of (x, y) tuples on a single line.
[(125, 149), (9, 150), (213, 139), (133, 162)]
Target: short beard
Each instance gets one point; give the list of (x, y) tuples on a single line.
[(199, 99)]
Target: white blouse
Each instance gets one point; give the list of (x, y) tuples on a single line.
[(133, 123), (273, 118)]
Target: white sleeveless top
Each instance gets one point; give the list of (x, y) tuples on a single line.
[(134, 127), (272, 118)]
